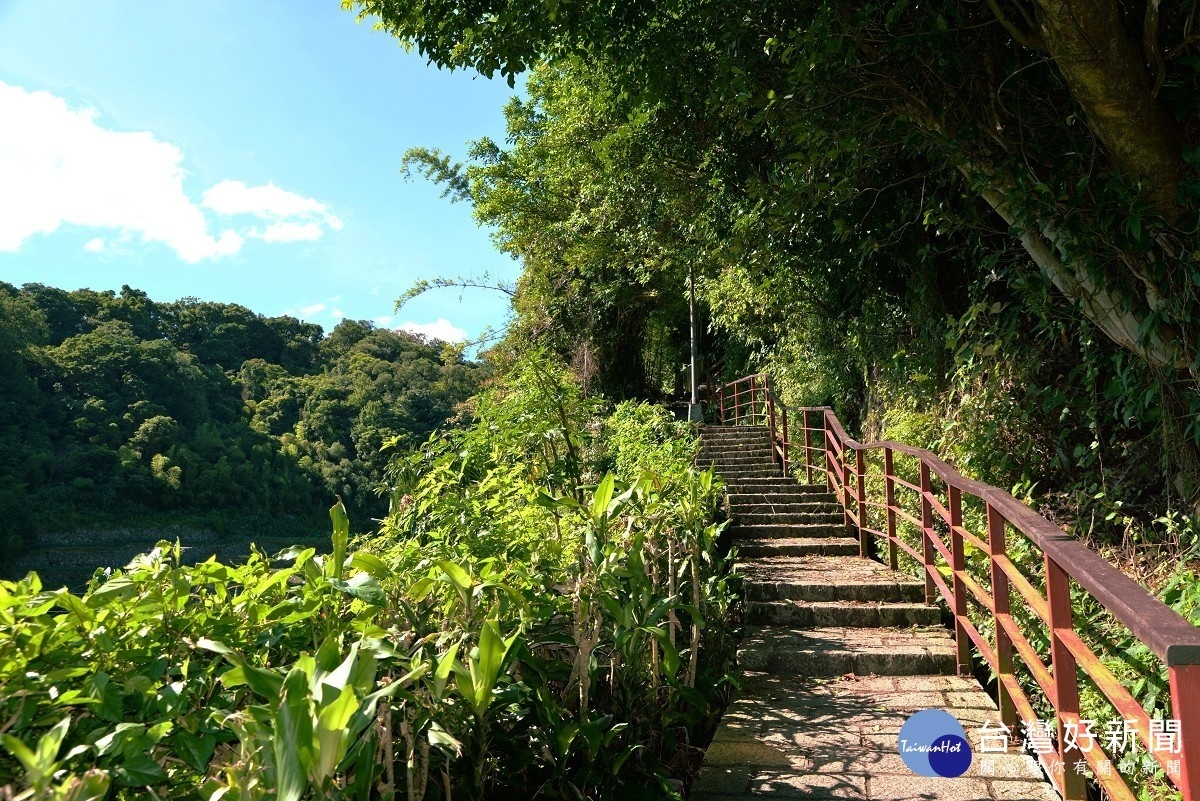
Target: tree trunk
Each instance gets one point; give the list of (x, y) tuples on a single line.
[(1105, 73)]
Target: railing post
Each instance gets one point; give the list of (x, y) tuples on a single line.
[(785, 440), (808, 453), (929, 553), (889, 488), (828, 451), (737, 404), (1185, 707), (860, 473), (770, 415), (1002, 601), (1065, 679), (958, 565)]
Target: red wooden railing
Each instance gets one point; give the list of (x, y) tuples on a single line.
[(924, 501)]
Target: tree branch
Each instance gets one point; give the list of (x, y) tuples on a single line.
[(1028, 37)]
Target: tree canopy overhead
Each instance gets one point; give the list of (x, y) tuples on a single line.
[(853, 182)]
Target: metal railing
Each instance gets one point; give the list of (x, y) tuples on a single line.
[(915, 505)]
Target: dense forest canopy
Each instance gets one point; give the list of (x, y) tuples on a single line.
[(116, 405), (968, 225)]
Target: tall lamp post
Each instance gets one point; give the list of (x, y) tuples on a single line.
[(695, 411)]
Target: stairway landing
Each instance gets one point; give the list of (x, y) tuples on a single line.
[(838, 652)]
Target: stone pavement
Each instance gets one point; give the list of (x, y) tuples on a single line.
[(838, 652)]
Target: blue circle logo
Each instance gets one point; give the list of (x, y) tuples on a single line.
[(933, 743)]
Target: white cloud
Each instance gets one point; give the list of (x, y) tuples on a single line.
[(337, 314), (59, 167), (288, 232), (441, 329), (269, 203), (309, 311), (384, 320)]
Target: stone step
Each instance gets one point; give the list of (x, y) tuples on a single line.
[(780, 484), (756, 531), (809, 614), (826, 515), (839, 651), (797, 546), (826, 578), (741, 473), (735, 461), (780, 497), (785, 506), (737, 443), (735, 432)]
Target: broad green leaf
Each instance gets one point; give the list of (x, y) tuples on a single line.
[(460, 577), (51, 741), (194, 749), (341, 539), (370, 563), (445, 665), (139, 771), (364, 587), (604, 493), (293, 740), (331, 728)]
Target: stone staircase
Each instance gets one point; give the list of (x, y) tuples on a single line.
[(837, 652), (814, 606)]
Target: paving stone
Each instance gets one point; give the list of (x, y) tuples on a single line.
[(1023, 791), (747, 752), (825, 786), (923, 788)]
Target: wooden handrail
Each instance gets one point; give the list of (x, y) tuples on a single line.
[(844, 462)]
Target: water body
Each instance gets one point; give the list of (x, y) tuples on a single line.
[(71, 559)]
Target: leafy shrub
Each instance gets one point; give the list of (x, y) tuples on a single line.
[(509, 631)]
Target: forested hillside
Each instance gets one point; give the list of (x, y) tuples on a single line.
[(118, 409), (955, 223)]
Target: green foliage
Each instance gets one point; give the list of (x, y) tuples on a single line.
[(509, 631), (639, 437)]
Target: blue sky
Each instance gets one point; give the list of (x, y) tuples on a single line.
[(246, 152)]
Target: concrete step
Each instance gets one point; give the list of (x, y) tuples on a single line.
[(826, 514), (809, 614), (826, 578), (797, 546), (758, 531), (839, 651)]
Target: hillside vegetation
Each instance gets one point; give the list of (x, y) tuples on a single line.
[(118, 409)]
